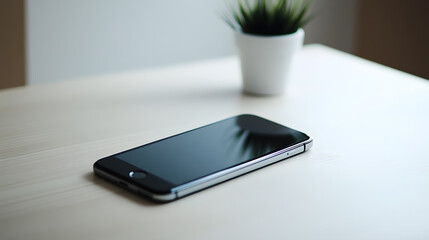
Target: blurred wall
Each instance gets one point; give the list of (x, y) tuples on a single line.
[(333, 25), (12, 47), (73, 38), (395, 33)]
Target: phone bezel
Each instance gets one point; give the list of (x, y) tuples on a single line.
[(112, 166)]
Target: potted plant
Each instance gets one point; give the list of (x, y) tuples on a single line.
[(268, 34)]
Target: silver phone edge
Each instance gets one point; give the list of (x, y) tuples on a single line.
[(241, 169)]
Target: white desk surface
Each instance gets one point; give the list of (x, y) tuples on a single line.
[(367, 176)]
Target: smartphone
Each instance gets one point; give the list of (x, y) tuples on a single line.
[(185, 163)]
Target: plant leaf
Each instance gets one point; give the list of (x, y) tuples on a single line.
[(269, 17)]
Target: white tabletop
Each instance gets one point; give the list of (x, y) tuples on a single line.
[(366, 177)]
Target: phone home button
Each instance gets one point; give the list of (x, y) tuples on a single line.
[(137, 174)]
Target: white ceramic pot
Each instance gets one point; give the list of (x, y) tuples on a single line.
[(266, 60)]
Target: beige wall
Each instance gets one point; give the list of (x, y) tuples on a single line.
[(12, 43), (395, 33)]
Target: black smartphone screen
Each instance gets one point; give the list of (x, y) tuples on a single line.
[(206, 150)]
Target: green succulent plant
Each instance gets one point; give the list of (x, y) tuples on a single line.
[(269, 17)]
